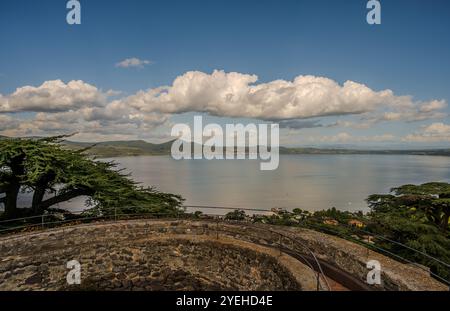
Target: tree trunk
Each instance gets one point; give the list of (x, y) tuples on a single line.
[(39, 192), (38, 196), (12, 186), (11, 200)]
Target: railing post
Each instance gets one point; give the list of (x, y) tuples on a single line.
[(367, 248), (42, 221), (318, 281), (115, 213), (217, 228), (279, 243)]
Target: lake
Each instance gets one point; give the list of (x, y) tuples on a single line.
[(310, 182)]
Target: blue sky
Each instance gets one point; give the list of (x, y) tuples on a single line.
[(274, 40)]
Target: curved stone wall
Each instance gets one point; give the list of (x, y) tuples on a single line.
[(145, 256), (189, 254)]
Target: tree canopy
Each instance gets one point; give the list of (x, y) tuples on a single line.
[(55, 174), (430, 201), (417, 216)]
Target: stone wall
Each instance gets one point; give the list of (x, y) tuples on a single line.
[(188, 254), (153, 255)]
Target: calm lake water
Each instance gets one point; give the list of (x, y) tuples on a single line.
[(311, 182)]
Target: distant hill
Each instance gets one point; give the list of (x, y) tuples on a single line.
[(140, 147), (121, 148), (438, 152)]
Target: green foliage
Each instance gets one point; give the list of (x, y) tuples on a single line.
[(413, 215), (236, 215), (342, 217), (417, 216), (312, 219), (43, 166), (430, 201), (197, 214)]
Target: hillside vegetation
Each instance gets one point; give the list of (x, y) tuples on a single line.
[(110, 149), (141, 147)]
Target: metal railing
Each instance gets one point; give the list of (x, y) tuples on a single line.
[(366, 244), (39, 223), (387, 252)]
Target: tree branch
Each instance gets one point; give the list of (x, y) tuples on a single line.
[(65, 197)]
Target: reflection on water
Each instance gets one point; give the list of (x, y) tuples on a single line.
[(311, 182)]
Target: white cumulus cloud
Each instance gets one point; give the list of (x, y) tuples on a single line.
[(239, 95), (77, 106), (133, 62), (435, 132), (54, 95)]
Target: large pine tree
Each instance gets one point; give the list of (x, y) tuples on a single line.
[(55, 174)]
